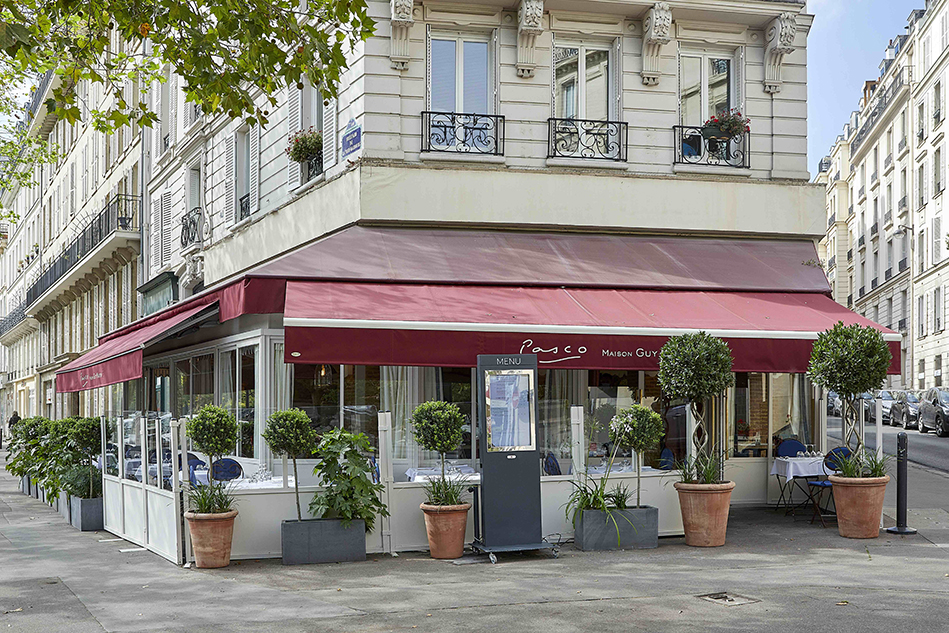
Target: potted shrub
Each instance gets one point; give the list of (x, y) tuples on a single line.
[(726, 126), (849, 360), (604, 520), (83, 480), (347, 504), (437, 426), (697, 367), (213, 431)]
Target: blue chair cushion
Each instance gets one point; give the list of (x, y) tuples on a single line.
[(790, 448), (667, 459), (551, 465), (226, 469), (823, 483)]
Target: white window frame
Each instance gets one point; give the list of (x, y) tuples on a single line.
[(582, 47), (460, 37), (705, 54)]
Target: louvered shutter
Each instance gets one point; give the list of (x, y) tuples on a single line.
[(127, 294), (740, 79), (329, 134), (295, 123), (254, 185), (229, 178), (617, 79), (72, 190), (495, 63), (937, 239), (156, 126), (428, 78), (166, 227), (155, 236), (173, 108), (187, 113), (194, 188)]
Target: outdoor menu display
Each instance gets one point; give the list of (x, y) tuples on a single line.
[(509, 410)]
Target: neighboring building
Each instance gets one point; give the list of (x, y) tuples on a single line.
[(498, 177)]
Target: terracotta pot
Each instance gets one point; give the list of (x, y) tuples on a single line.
[(445, 526), (859, 503), (705, 512), (211, 536)]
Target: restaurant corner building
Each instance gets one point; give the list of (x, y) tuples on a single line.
[(497, 177)]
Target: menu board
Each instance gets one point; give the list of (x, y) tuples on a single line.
[(509, 410)]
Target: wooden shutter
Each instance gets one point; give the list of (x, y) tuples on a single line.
[(156, 126), (617, 79), (254, 185), (166, 227), (173, 108), (937, 239), (329, 135), (229, 178), (739, 64), (127, 316), (155, 235), (194, 188), (295, 123)]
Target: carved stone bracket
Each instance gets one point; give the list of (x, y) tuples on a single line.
[(401, 25), (193, 272), (780, 42), (530, 24), (657, 28)]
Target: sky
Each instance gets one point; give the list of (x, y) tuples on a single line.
[(844, 49)]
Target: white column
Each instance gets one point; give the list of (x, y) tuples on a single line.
[(386, 476), (578, 441)]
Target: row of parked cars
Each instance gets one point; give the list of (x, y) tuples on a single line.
[(925, 410)]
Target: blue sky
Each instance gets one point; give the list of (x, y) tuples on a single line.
[(844, 49)]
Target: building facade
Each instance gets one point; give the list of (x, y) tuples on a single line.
[(487, 170)]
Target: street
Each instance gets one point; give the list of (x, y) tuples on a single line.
[(924, 449)]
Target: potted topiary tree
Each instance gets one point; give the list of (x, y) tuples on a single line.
[(348, 502), (83, 481), (850, 360), (604, 520), (213, 431), (437, 426), (697, 367)]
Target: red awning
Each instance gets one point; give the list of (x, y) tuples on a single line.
[(119, 358), (571, 328)]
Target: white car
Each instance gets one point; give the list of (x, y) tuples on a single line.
[(887, 399)]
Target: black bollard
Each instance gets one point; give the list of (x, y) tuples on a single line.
[(901, 488)]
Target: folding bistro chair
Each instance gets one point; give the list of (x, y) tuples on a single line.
[(787, 448), (821, 487)]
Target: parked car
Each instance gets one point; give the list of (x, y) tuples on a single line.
[(934, 412), (833, 403), (905, 410), (868, 402), (887, 399)]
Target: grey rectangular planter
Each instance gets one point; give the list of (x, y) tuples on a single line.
[(25, 485), (62, 505), (34, 489), (322, 541), (638, 529), (86, 514)]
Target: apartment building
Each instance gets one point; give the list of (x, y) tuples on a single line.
[(495, 177)]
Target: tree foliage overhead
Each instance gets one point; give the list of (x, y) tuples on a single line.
[(849, 359), (695, 367)]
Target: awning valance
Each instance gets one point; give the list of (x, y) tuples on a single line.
[(119, 358), (571, 328)]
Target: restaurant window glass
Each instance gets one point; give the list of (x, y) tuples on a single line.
[(316, 392), (557, 391), (607, 393), (132, 441), (183, 388), (674, 444), (361, 401), (793, 410), (112, 445), (748, 422), (247, 401)]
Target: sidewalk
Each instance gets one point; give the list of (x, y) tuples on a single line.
[(805, 578)]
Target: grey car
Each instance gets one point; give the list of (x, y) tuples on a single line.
[(934, 412), (905, 409)]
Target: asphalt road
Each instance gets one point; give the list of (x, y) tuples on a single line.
[(926, 450)]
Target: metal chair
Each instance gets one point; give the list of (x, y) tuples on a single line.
[(551, 465), (667, 459), (821, 486), (790, 448)]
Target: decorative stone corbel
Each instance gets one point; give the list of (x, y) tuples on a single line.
[(530, 24), (400, 26), (193, 272), (780, 42), (657, 28)]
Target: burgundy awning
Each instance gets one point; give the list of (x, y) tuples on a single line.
[(118, 358), (575, 328)]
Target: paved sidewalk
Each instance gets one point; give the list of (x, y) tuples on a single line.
[(53, 578)]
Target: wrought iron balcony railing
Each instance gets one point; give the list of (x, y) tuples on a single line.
[(903, 265), (901, 326), (463, 133), (192, 227), (921, 135), (887, 161), (121, 213), (902, 144), (861, 241), (14, 317), (832, 262), (850, 255), (863, 291), (876, 109), (696, 145), (888, 217), (165, 143), (903, 204), (314, 167), (836, 177), (874, 228), (875, 176), (888, 274), (937, 116), (862, 192), (850, 211), (582, 138), (831, 220), (874, 283), (244, 210), (849, 301)]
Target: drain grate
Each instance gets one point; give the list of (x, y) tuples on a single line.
[(728, 599)]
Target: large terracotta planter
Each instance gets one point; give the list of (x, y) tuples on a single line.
[(705, 512), (859, 503), (445, 526), (211, 536)]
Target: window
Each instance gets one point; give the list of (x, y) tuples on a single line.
[(242, 173), (583, 86), (921, 121), (937, 310), (937, 370), (921, 254), (889, 254), (903, 127), (922, 373), (937, 172), (461, 82), (937, 103), (194, 187), (238, 388), (312, 113), (888, 200), (921, 186), (937, 239), (921, 315), (889, 312)]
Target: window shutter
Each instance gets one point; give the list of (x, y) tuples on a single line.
[(495, 66), (186, 115), (679, 80), (329, 135), (156, 233), (229, 183), (166, 227), (194, 188), (72, 190), (937, 239), (173, 108), (740, 79), (254, 185), (295, 123), (428, 79), (617, 79), (127, 294), (156, 126)]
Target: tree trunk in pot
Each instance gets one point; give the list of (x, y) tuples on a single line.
[(705, 512), (211, 536), (859, 503), (445, 526)]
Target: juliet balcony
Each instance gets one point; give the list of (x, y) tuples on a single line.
[(192, 228), (696, 145), (462, 133), (115, 228), (587, 139)]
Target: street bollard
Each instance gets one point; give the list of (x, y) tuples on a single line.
[(901, 488)]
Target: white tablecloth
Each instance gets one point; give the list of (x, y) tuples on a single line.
[(454, 470), (791, 467)]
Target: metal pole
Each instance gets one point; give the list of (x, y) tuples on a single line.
[(901, 469), (879, 415)]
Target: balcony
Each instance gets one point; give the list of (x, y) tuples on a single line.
[(850, 255), (902, 145), (850, 211), (696, 146), (461, 133), (861, 241), (314, 167), (901, 326), (920, 136), (874, 283), (888, 274), (874, 229), (875, 176), (876, 109), (244, 208), (832, 262), (120, 219), (192, 228), (903, 204), (937, 117), (887, 162), (849, 301), (922, 203), (903, 265), (13, 319), (887, 218), (165, 143), (831, 220), (863, 291), (836, 177), (587, 140), (862, 193)]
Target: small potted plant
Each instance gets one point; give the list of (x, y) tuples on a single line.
[(306, 147), (726, 126), (437, 426), (850, 360), (697, 367), (604, 520), (213, 431), (83, 481)]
